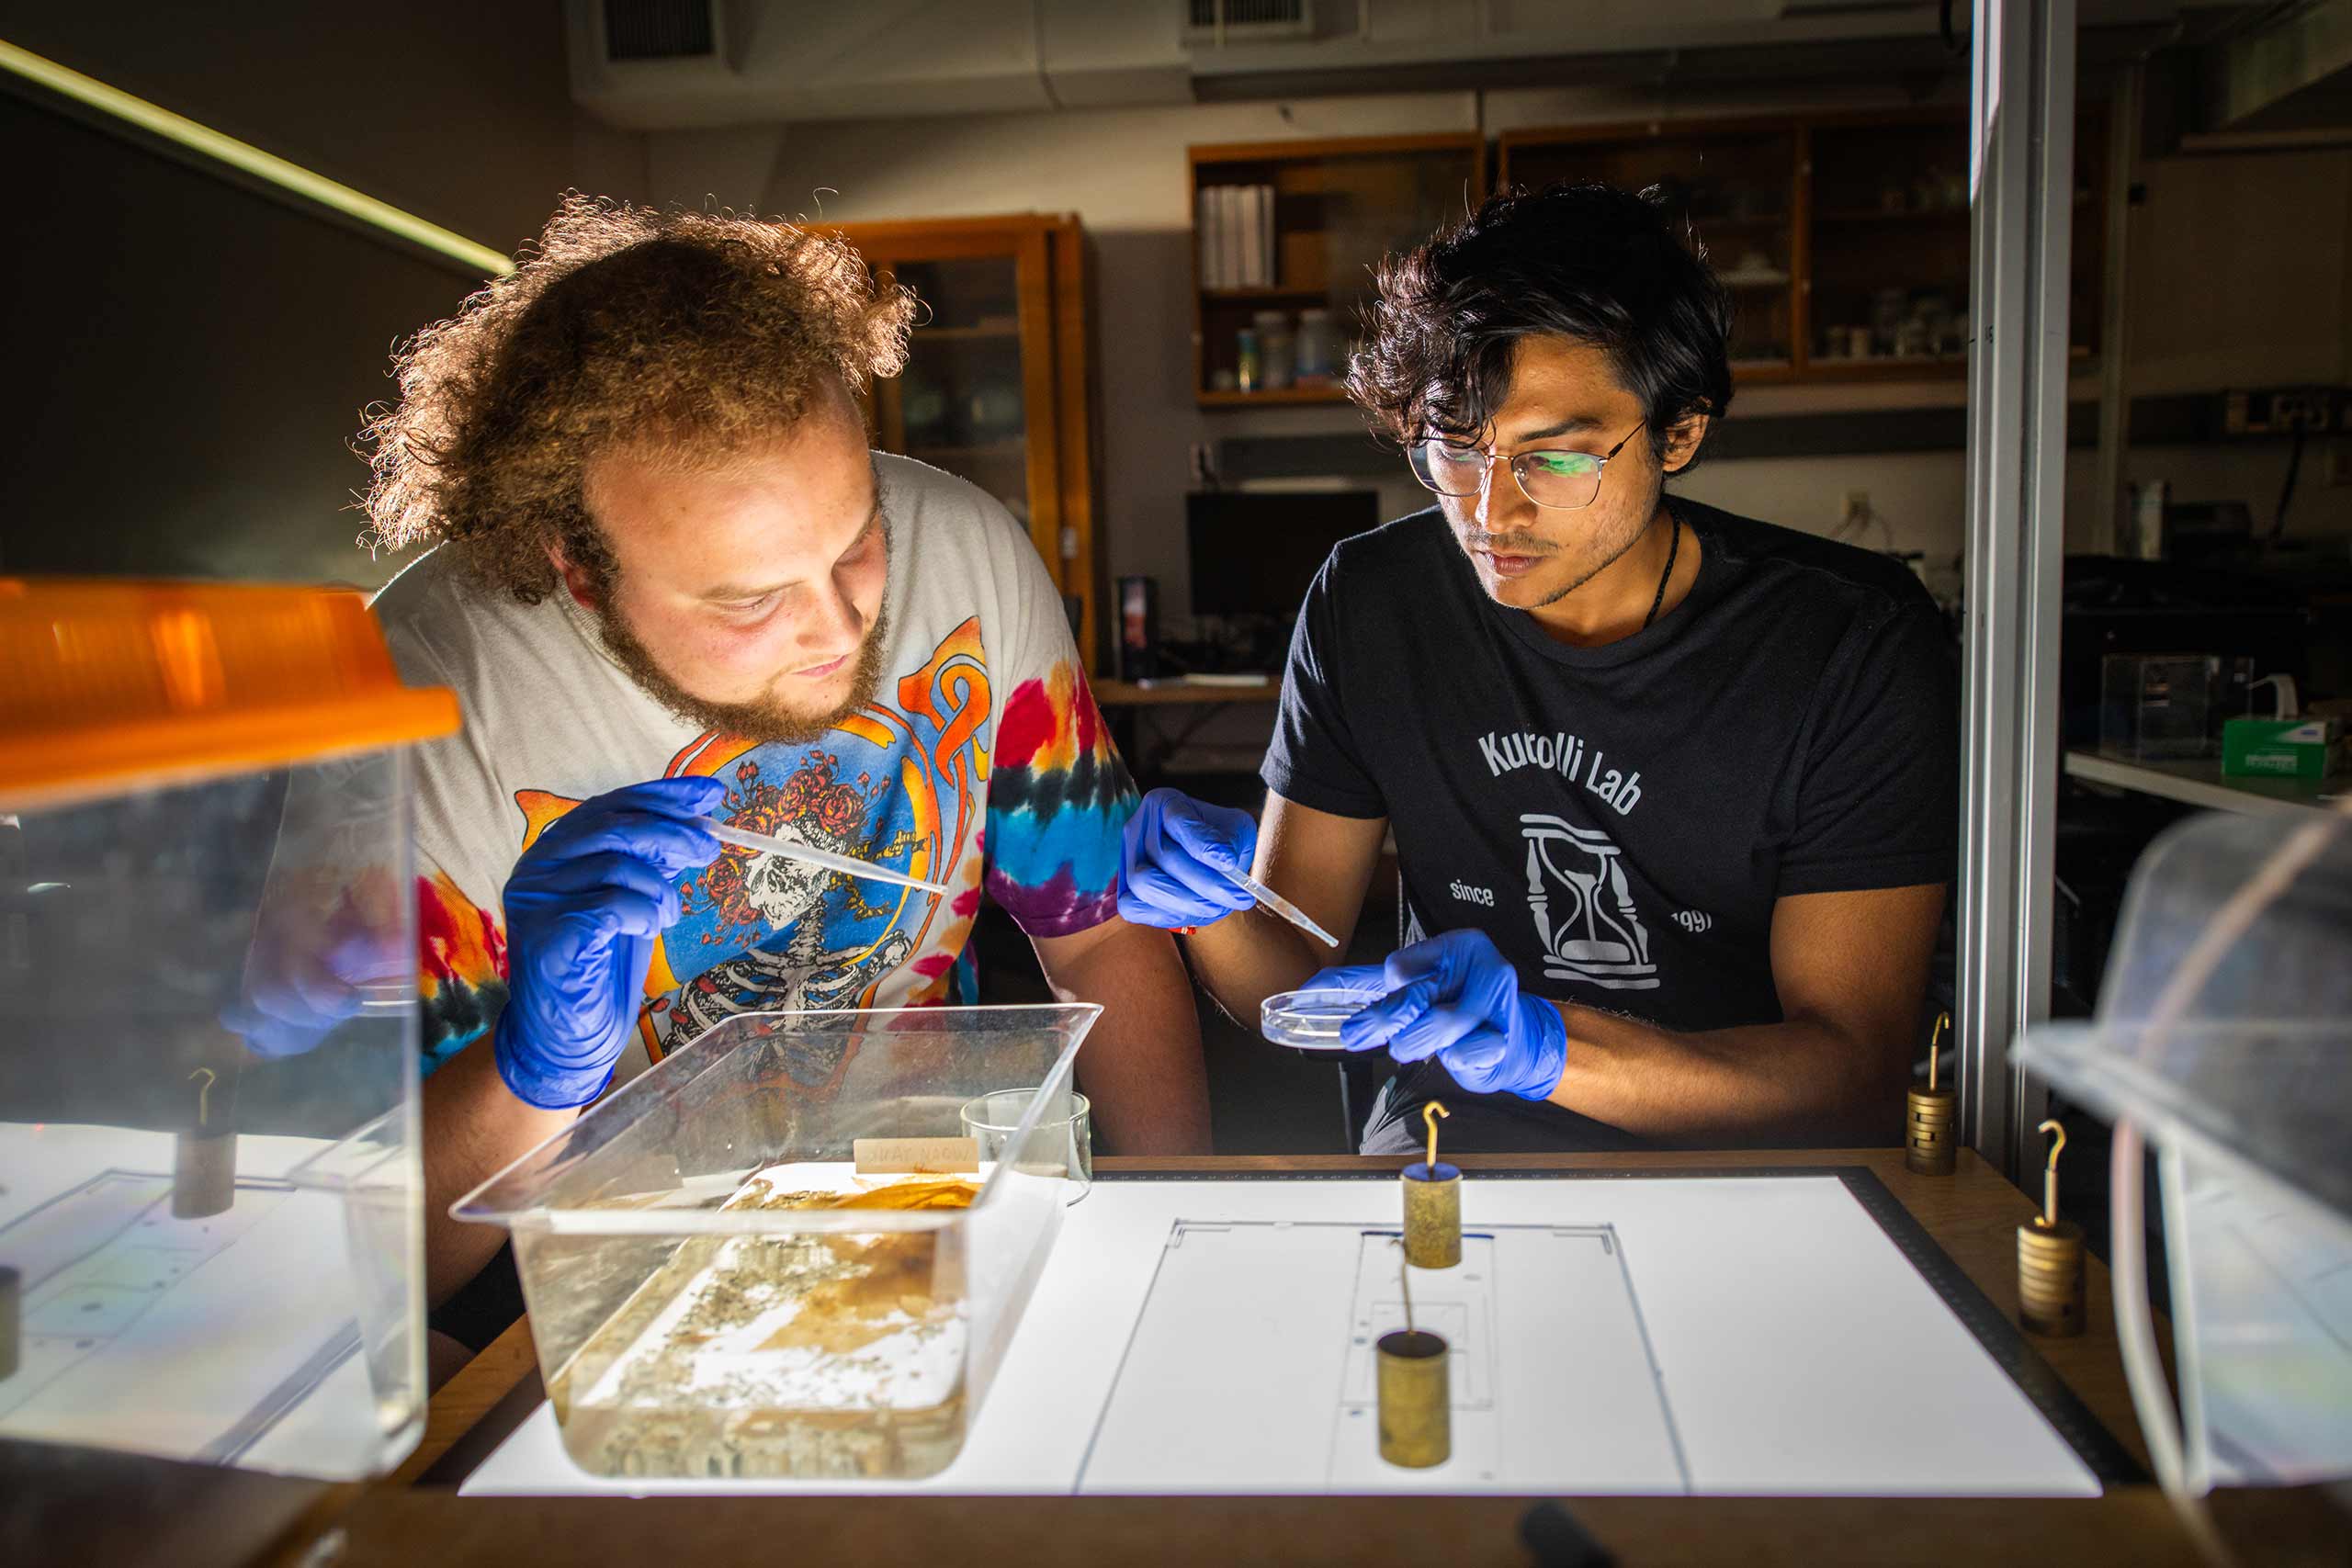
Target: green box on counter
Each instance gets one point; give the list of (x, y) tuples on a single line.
[(2282, 747)]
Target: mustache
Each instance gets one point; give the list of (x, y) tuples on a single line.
[(1506, 543)]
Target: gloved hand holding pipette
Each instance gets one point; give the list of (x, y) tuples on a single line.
[(1179, 853), (584, 906), (1186, 863), (1456, 998)]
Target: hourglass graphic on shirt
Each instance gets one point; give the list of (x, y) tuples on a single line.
[(1583, 909)]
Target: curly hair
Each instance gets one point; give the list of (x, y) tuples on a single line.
[(1588, 261), (622, 326)]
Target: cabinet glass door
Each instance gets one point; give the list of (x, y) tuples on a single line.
[(961, 404)]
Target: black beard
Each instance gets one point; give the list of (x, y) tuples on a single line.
[(762, 721)]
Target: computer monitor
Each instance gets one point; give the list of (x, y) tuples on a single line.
[(1255, 552)]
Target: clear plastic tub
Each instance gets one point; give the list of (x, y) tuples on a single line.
[(210, 1179), (683, 1331), (2247, 1100)]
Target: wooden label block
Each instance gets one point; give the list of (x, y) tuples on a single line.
[(915, 1157)]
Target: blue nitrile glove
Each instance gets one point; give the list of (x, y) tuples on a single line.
[(296, 994), (1167, 875), (584, 906), (1456, 998), (328, 940)]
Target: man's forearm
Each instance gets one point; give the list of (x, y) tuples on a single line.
[(1141, 1063), (1248, 956), (475, 1127), (1799, 1081)]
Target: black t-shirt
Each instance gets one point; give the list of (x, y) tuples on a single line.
[(1619, 819)]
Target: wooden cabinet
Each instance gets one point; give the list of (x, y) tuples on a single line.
[(1844, 238), (998, 384), (1338, 205), (1733, 184)]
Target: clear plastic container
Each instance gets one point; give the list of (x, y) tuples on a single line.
[(2247, 1101), (1311, 1020), (683, 1333), (210, 1177)]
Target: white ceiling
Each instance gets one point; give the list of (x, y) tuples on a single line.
[(782, 60)]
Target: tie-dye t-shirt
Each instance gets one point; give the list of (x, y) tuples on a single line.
[(980, 761)]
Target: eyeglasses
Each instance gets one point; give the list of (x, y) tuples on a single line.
[(1562, 481)]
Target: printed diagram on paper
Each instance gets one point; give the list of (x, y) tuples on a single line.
[(1251, 1367)]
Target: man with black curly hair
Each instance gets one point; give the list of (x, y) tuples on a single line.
[(1674, 791), (671, 584)]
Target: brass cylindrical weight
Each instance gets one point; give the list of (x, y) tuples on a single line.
[(1416, 1403), (1930, 1146), (2050, 1278), (1432, 1215), (204, 1175), (12, 1311)]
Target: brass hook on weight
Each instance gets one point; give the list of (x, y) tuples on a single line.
[(2048, 1220)]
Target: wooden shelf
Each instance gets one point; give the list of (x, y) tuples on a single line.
[(1337, 203), (1886, 368), (1905, 215), (1333, 393), (1243, 296), (1840, 253), (986, 451)]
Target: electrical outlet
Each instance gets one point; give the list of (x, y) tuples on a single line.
[(2278, 410)]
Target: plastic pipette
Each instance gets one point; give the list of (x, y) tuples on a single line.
[(1280, 906), (847, 865)]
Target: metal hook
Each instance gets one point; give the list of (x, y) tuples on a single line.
[(2050, 1175), (1429, 1114), (1943, 1021), (204, 1095)]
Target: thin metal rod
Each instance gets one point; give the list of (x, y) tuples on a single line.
[(2021, 125), (249, 160)]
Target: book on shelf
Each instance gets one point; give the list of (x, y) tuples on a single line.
[(1261, 236), (1209, 235), (1231, 234), (1234, 228)]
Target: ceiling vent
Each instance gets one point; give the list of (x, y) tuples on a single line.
[(1222, 22), (660, 30)]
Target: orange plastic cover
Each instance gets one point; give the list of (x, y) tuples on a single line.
[(108, 686)]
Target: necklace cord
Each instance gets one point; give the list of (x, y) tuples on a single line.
[(1673, 549)]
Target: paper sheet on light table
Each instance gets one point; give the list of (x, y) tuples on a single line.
[(1797, 1346), (151, 1334)]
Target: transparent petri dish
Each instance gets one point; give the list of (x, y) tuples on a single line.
[(1310, 1020)]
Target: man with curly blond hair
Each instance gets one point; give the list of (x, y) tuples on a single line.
[(669, 582)]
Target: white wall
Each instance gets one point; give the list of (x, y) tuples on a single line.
[(2240, 274)]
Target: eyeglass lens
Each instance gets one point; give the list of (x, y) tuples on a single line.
[(1549, 479)]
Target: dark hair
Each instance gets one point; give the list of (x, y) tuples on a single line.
[(1587, 262), (693, 332)]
